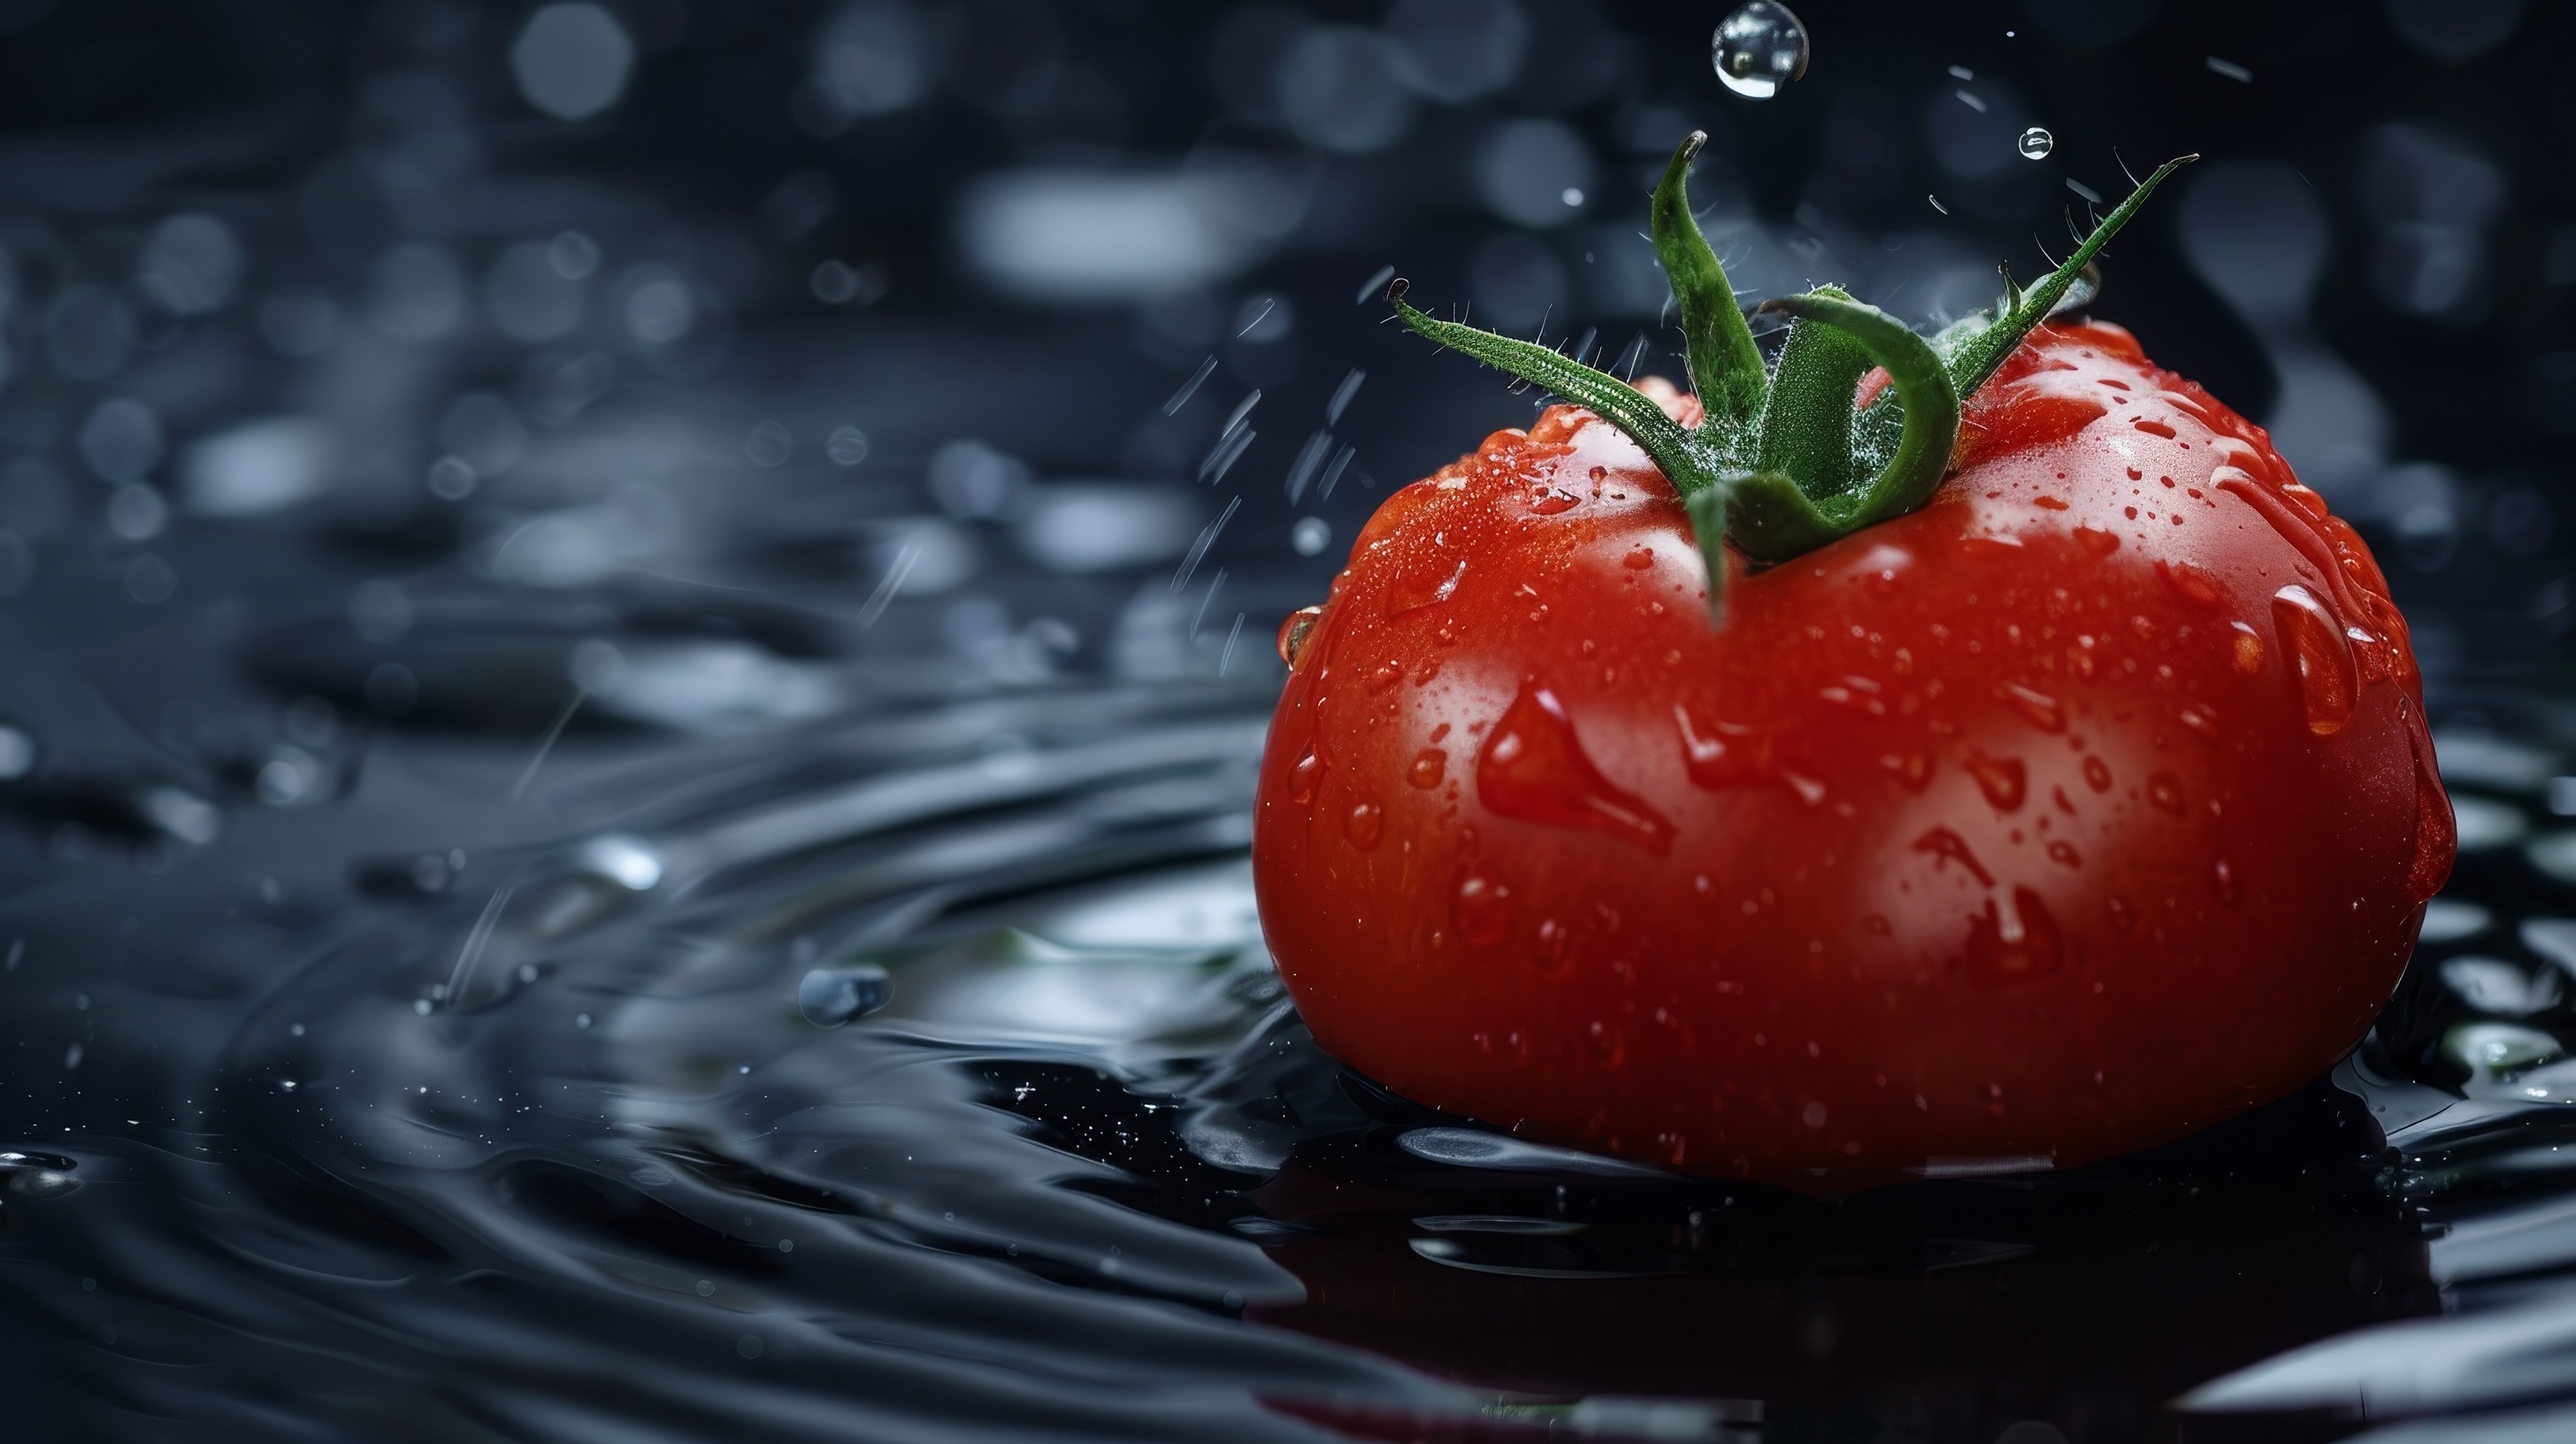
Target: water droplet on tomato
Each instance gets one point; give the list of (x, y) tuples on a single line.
[(1913, 770), (1758, 48), (1303, 777), (2203, 719), (1639, 559), (1385, 675), (2314, 641), (2370, 653), (1555, 942), (1554, 501), (2039, 708), (1412, 590), (1482, 908), (1294, 632), (2003, 780), (2222, 882), (1429, 766), (2016, 943), (1364, 824), (2064, 851), (2165, 792), (2097, 774), (2194, 581), (1948, 846), (1726, 756), (1534, 768), (2246, 655), (1606, 1043)]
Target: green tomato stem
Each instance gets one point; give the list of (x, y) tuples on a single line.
[(1726, 367), (1774, 467)]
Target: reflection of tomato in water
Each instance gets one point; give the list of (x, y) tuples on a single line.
[(2083, 806), (1567, 1285)]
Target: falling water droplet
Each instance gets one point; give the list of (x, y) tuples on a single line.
[(1534, 768), (1758, 49), (2036, 143), (1294, 631), (829, 997), (2314, 640)]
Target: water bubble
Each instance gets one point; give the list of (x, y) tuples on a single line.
[(450, 479), (829, 997), (1311, 535), (1758, 49), (847, 446), (769, 443), (2035, 143)]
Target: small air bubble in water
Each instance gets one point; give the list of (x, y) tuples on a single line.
[(2036, 143), (829, 997), (1759, 48)]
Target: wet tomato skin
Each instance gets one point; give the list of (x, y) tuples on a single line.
[(2087, 806)]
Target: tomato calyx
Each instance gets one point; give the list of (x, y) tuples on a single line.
[(1782, 463)]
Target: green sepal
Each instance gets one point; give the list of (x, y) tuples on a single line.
[(1977, 358), (1685, 463), (1807, 421), (1726, 367), (1779, 530), (1708, 510)]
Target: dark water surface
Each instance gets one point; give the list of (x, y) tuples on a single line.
[(341, 1129)]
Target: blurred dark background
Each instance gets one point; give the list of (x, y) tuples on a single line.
[(450, 366)]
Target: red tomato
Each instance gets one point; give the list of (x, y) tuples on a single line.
[(2087, 806)]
